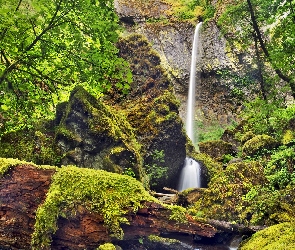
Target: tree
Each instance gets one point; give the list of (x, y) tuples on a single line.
[(49, 46), (271, 25)]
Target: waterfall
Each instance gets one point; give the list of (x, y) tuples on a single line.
[(190, 112), (190, 176), (191, 172)]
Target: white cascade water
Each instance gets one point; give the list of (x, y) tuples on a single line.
[(190, 112), (190, 176)]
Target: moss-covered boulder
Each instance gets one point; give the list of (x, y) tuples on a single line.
[(217, 148), (223, 199), (259, 143), (278, 237), (92, 134)]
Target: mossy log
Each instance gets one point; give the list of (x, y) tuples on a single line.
[(24, 187)]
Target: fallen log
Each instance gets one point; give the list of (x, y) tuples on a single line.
[(23, 188)]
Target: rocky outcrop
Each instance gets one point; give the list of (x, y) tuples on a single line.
[(92, 134), (152, 110)]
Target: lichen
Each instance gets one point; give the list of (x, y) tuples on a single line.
[(278, 237), (99, 191)]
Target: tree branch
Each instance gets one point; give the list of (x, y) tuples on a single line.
[(54, 22), (265, 51)]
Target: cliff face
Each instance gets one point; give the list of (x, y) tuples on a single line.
[(215, 95)]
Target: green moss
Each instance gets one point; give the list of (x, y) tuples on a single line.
[(259, 143), (247, 136), (156, 238), (223, 199), (288, 136), (178, 213), (7, 164), (107, 246), (278, 237), (99, 191), (216, 149), (30, 145)]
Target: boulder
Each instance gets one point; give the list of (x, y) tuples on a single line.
[(92, 134), (258, 144), (217, 148)]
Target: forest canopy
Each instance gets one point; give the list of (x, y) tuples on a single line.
[(47, 48)]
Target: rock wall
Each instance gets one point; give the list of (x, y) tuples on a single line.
[(173, 41)]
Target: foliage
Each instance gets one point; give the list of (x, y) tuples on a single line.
[(279, 237), (209, 132), (191, 10), (270, 26), (30, 145), (263, 117), (156, 170), (47, 48), (99, 191), (279, 169), (222, 200)]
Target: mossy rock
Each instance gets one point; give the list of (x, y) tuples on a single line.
[(92, 134), (152, 110), (278, 237), (247, 136), (288, 137), (189, 196), (259, 143), (217, 148), (223, 199)]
